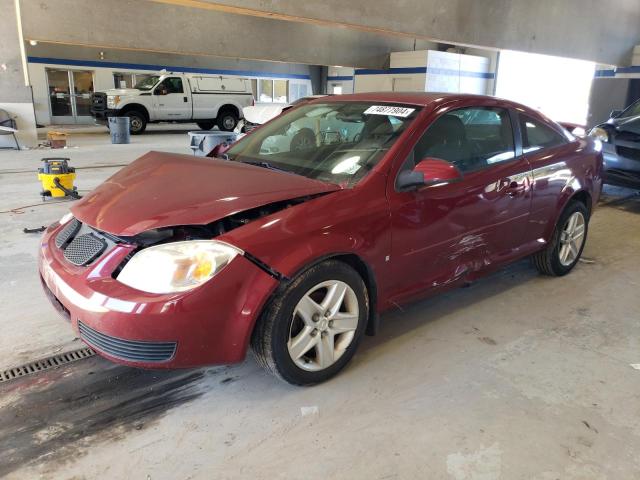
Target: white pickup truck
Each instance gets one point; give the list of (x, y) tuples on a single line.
[(173, 97)]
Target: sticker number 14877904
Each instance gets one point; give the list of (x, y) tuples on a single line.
[(389, 110)]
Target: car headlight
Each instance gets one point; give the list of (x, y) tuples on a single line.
[(178, 266), (600, 133), (65, 218), (112, 101)]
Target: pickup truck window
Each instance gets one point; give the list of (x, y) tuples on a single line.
[(147, 83), (172, 85)]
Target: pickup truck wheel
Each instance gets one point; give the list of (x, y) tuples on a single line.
[(137, 122), (567, 243), (206, 125), (313, 327), (227, 120)]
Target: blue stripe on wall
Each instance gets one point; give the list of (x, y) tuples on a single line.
[(605, 73), (462, 73), (368, 71), (431, 70), (635, 69), (340, 78), (155, 68)]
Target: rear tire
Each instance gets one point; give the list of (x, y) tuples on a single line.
[(206, 125), (137, 122), (227, 120), (567, 242), (311, 330)]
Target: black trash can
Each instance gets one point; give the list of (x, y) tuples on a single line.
[(119, 129)]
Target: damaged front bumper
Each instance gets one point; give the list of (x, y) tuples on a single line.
[(208, 325)]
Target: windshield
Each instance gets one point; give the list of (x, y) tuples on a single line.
[(333, 142), (147, 83), (632, 111)]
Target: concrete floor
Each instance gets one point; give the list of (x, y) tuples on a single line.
[(517, 377)]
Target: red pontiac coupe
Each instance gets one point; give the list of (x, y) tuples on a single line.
[(312, 225)]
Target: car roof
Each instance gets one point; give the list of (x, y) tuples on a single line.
[(410, 98), (422, 99)]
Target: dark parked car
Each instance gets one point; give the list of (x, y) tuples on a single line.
[(620, 136), (178, 261)]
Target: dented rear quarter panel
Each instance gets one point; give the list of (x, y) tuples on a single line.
[(558, 175)]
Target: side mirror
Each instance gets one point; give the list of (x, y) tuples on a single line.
[(428, 172), (615, 113), (160, 91)]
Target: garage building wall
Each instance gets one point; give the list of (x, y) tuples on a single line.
[(83, 58), (15, 95)]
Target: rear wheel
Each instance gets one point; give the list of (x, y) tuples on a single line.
[(312, 329), (567, 243), (208, 125), (137, 122), (227, 120)]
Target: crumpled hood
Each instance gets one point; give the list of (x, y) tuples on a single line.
[(164, 189), (626, 124)]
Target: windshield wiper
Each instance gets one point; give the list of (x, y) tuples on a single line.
[(268, 165)]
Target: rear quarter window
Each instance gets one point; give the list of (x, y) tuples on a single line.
[(537, 136)]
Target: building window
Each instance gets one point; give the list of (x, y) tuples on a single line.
[(297, 90), (280, 90), (128, 80), (124, 80), (266, 90), (273, 91)]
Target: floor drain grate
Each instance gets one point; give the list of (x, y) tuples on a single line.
[(38, 366)]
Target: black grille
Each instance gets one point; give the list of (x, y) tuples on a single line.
[(84, 249), (98, 102), (67, 233), (136, 351), (632, 153)]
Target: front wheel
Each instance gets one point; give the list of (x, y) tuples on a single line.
[(567, 243), (312, 329), (137, 122)]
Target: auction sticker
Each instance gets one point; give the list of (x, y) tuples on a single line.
[(389, 110)]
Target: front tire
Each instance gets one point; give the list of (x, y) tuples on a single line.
[(205, 125), (311, 330), (567, 243), (137, 122)]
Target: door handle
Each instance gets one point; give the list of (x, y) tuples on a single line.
[(512, 187), (185, 99)]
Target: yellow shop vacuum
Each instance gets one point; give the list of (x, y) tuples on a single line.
[(57, 178)]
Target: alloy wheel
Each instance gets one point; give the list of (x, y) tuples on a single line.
[(323, 326), (571, 239)]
